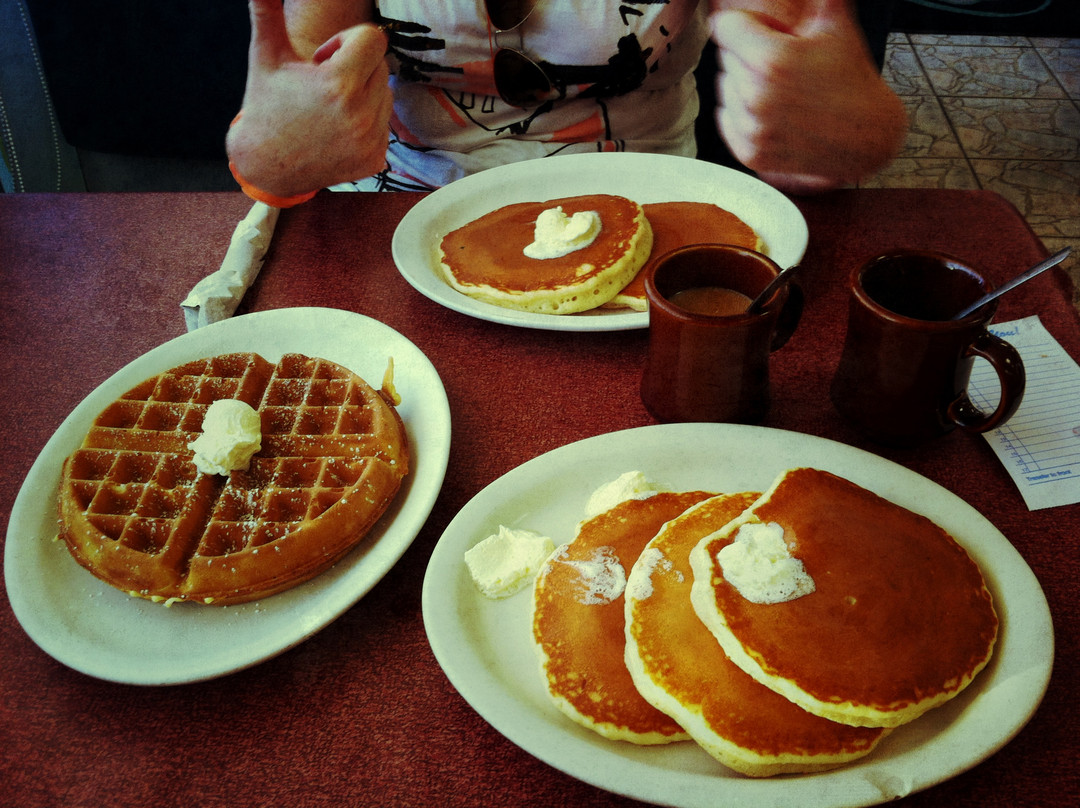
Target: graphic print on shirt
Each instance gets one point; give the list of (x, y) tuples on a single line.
[(470, 87), (617, 71)]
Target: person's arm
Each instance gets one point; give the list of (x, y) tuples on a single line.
[(801, 101), (317, 102)]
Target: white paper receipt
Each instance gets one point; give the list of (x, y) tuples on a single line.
[(1040, 445)]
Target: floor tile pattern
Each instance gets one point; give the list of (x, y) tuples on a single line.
[(1001, 113)]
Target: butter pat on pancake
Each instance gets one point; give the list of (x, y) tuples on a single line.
[(485, 259), (677, 224), (679, 668), (578, 621), (900, 620)]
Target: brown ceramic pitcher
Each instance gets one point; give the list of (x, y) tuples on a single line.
[(703, 367), (903, 374)]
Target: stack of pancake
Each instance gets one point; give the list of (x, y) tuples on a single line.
[(642, 638), (485, 258)]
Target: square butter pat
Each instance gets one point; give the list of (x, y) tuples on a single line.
[(506, 562)]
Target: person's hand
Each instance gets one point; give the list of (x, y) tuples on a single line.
[(801, 101), (308, 124)]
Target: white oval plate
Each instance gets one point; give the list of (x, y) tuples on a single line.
[(641, 177), (103, 632), (485, 648)]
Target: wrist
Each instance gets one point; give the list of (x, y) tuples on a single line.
[(260, 194)]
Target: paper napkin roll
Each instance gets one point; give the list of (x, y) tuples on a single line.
[(216, 296)]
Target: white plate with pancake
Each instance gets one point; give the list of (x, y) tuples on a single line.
[(91, 627), (484, 645), (642, 177)]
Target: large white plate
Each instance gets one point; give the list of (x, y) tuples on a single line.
[(641, 177), (101, 631), (485, 649)]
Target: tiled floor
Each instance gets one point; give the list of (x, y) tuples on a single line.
[(1001, 113)]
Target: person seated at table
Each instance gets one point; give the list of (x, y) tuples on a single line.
[(449, 90)]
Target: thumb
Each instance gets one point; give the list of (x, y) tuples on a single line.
[(270, 44)]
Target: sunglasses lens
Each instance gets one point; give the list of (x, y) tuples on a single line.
[(507, 14), (520, 82)]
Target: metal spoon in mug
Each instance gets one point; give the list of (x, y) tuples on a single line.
[(1053, 260), (767, 292)]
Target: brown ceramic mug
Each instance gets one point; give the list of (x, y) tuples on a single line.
[(904, 371), (713, 367)]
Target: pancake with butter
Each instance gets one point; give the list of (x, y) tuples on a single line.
[(899, 620), (679, 668), (486, 260), (677, 224), (578, 621)]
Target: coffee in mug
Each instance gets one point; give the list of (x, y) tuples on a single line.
[(903, 373), (708, 359)]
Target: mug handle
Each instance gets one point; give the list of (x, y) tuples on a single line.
[(789, 316), (1006, 361)]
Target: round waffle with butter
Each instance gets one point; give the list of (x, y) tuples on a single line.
[(900, 619), (485, 258), (678, 666), (137, 513), (578, 621)]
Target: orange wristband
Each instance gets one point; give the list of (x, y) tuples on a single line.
[(270, 199), (266, 197)]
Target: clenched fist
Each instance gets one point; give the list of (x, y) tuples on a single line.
[(801, 101), (310, 122)]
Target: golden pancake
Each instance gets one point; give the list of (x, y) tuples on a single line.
[(578, 623), (679, 668), (900, 620), (677, 224), (484, 259)]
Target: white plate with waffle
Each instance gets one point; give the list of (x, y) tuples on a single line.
[(93, 628), (642, 177), (485, 648)]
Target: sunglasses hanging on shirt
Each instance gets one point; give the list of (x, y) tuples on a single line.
[(519, 80)]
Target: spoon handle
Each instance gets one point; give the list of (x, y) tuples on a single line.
[(1042, 266), (783, 277)]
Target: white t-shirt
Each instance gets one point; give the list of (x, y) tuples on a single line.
[(623, 70)]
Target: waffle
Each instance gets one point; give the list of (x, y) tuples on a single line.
[(137, 513)]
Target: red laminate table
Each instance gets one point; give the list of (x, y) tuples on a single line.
[(361, 714)]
